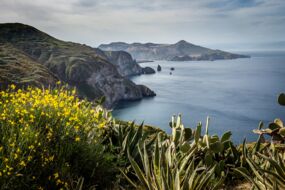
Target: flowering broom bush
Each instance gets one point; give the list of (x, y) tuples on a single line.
[(50, 138)]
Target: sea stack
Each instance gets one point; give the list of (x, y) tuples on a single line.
[(158, 68)]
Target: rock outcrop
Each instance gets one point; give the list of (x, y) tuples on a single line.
[(124, 62), (146, 91), (180, 51), (148, 70), (79, 65)]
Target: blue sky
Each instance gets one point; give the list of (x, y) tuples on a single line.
[(226, 24)]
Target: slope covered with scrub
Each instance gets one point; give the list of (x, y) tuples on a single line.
[(16, 67)]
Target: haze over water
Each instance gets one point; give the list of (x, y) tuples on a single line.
[(235, 94)]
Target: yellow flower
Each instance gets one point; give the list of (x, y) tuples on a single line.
[(77, 139), (12, 144), (22, 163), (12, 86), (76, 128), (58, 181), (56, 175), (31, 147), (73, 91), (51, 158)]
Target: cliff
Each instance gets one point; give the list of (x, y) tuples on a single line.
[(180, 51), (124, 62), (87, 68)]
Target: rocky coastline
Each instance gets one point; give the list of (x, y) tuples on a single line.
[(94, 72)]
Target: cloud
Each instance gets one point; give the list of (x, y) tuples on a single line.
[(199, 21)]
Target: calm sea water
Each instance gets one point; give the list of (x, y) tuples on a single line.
[(235, 94)]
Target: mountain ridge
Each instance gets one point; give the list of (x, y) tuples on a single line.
[(182, 49)]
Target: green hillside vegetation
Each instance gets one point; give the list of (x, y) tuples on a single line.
[(16, 67), (50, 139)]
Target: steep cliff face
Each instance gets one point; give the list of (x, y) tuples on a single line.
[(180, 51), (124, 62), (78, 65)]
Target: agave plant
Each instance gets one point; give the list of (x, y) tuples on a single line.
[(125, 136), (168, 168), (266, 168), (184, 160)]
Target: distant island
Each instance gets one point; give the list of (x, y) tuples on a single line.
[(180, 51)]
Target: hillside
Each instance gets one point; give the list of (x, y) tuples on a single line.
[(17, 67), (180, 51), (87, 68)]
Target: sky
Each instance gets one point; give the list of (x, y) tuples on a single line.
[(226, 24)]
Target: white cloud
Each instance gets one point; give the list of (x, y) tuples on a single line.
[(199, 21)]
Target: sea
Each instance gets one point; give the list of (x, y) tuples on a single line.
[(235, 94)]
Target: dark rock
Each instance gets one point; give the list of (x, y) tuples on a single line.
[(170, 73), (146, 92), (158, 68), (148, 70), (172, 68)]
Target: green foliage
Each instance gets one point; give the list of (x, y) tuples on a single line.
[(50, 139)]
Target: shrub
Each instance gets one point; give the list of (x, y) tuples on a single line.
[(50, 138)]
